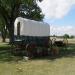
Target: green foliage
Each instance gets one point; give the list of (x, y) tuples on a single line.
[(71, 36), (25, 8), (66, 36), (31, 10)]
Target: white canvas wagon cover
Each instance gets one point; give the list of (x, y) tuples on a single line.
[(31, 27)]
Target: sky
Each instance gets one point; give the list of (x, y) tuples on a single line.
[(60, 15)]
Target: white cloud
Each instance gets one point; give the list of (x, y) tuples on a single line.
[(61, 30), (56, 8)]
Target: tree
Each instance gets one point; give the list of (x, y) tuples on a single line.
[(3, 30), (10, 9), (66, 36), (72, 36), (31, 11)]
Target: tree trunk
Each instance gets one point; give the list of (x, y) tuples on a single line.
[(3, 32), (3, 39), (11, 32)]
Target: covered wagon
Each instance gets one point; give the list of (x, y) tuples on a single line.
[(31, 36)]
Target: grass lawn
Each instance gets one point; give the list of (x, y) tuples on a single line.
[(62, 65)]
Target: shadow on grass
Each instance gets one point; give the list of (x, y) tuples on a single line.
[(68, 52), (6, 56)]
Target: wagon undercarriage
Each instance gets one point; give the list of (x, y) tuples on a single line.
[(30, 49)]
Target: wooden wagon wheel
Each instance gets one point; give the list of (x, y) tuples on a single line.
[(30, 49), (54, 49), (13, 48)]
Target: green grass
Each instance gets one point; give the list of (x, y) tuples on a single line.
[(61, 66), (4, 46), (64, 64)]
